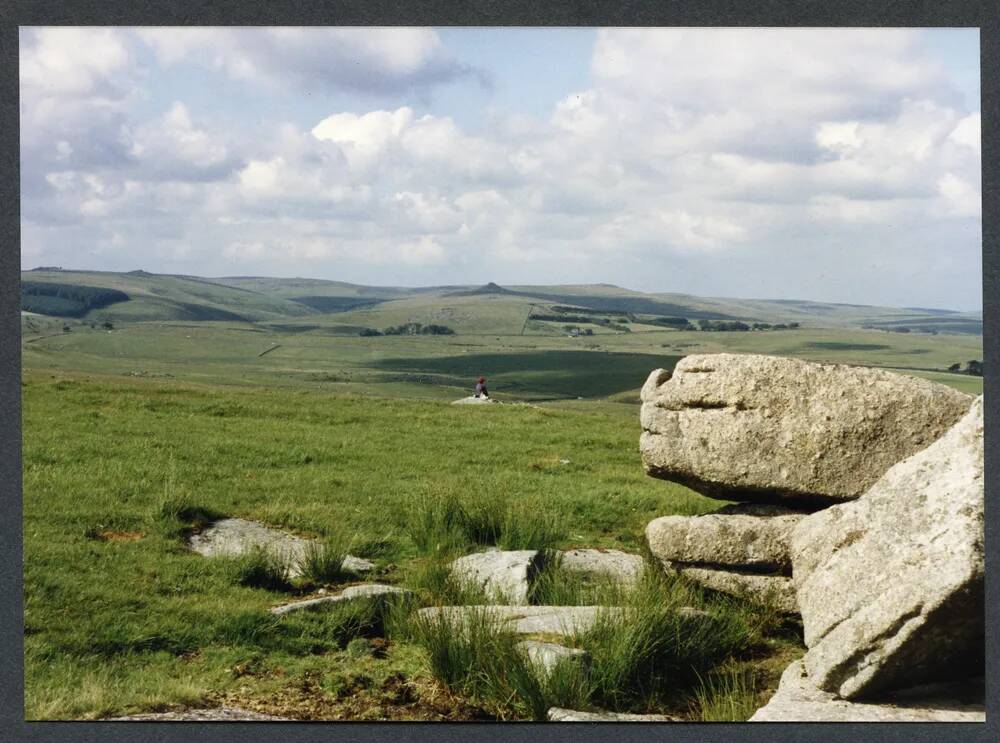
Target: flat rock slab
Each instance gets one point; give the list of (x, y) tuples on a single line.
[(216, 714), (558, 714), (541, 620), (798, 700), (769, 429), (235, 537), (473, 400), (891, 586), (778, 590), (349, 595), (548, 655), (504, 576), (615, 565), (744, 535)]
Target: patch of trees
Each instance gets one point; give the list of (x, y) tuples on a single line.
[(736, 325), (574, 330), (66, 300), (974, 367), (678, 323), (410, 328)]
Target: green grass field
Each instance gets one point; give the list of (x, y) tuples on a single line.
[(291, 418)]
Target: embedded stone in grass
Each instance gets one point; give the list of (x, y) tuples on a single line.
[(215, 714), (538, 620), (235, 537), (364, 592), (619, 566), (502, 575), (473, 400), (558, 714), (547, 655), (799, 700)]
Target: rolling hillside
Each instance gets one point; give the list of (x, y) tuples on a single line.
[(321, 305)]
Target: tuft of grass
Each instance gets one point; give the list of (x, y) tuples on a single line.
[(323, 561), (651, 649), (726, 695), (261, 568), (556, 586), (477, 658), (446, 522), (438, 586)]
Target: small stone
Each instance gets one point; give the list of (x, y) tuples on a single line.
[(504, 576), (216, 714), (354, 593), (539, 620), (622, 567), (547, 655), (558, 714)]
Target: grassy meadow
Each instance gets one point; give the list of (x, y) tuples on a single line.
[(204, 400)]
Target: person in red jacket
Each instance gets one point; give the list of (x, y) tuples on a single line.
[(481, 388)]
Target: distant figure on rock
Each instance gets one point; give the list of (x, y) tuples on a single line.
[(481, 390)]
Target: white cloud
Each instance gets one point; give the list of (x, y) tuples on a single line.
[(72, 61), (688, 150), (324, 58)]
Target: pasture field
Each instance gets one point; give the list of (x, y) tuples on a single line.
[(120, 617), (205, 400)]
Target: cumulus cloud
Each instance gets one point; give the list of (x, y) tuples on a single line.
[(694, 159), (363, 59)]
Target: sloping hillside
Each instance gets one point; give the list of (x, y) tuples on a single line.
[(166, 297)]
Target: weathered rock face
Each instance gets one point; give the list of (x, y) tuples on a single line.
[(742, 550), (797, 700), (890, 587), (769, 429), (776, 590), (502, 575), (747, 536)]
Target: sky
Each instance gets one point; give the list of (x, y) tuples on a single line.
[(837, 165)]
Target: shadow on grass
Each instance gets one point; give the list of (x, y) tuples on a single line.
[(561, 373)]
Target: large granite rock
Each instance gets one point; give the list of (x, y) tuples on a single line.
[(745, 535), (798, 700), (503, 576), (890, 587), (769, 429)]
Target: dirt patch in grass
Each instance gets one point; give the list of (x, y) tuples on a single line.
[(108, 535), (396, 697)]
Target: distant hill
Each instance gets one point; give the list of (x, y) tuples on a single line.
[(490, 308)]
